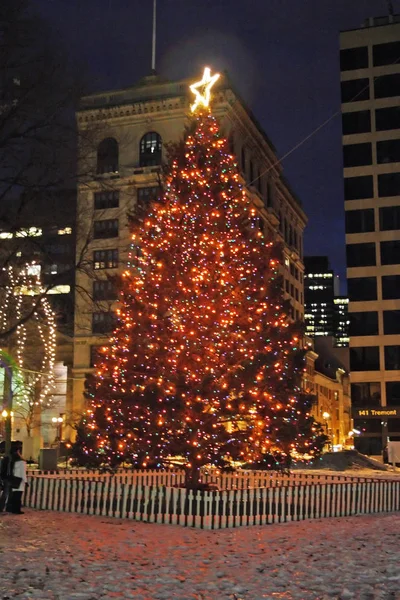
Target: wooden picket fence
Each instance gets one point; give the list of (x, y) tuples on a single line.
[(224, 481), (212, 509)]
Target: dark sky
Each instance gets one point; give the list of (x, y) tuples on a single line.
[(282, 56)]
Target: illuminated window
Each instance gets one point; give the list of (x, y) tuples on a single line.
[(150, 149), (30, 232), (60, 289), (33, 270), (65, 231), (105, 259)]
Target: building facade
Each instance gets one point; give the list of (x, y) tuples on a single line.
[(370, 87), (130, 129), (327, 380)]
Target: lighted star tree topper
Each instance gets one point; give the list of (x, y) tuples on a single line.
[(205, 364)]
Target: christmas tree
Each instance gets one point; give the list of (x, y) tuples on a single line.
[(205, 364)]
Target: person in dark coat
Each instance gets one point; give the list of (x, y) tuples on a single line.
[(18, 469), (5, 487)]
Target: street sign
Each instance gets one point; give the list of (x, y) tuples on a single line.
[(381, 412)]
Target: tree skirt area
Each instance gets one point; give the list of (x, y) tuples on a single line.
[(59, 556)]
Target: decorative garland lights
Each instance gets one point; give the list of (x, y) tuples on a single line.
[(23, 295), (205, 363)]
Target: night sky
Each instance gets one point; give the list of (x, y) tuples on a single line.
[(282, 56)]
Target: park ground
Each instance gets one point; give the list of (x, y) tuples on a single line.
[(58, 556)]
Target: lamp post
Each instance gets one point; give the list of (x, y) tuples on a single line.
[(58, 422), (327, 416)]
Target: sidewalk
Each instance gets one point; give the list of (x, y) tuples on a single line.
[(59, 556)]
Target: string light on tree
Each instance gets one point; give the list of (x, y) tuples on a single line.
[(24, 305), (205, 363)]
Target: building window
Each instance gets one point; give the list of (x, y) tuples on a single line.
[(390, 253), (389, 218), (387, 118), (393, 393), (366, 394), (364, 358), (146, 195), (104, 200), (251, 172), (391, 287), (386, 54), (356, 122), (270, 198), (360, 221), (369, 445), (243, 159), (354, 58), (107, 156), (107, 228), (105, 259), (387, 86), (104, 289), (388, 185), (231, 145), (391, 322), (355, 90), (96, 355), (357, 155), (356, 188), (392, 358), (362, 288), (361, 255), (258, 181), (150, 149), (363, 323), (388, 151), (103, 322)]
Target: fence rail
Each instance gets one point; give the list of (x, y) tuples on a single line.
[(212, 509)]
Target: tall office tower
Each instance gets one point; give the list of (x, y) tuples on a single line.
[(319, 291), (341, 322), (370, 86), (130, 128)]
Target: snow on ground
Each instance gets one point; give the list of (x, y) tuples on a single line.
[(59, 556)]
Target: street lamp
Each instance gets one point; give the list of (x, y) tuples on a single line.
[(58, 422), (327, 416)]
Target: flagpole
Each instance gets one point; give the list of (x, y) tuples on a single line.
[(153, 50)]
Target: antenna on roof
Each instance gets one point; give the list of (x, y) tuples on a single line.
[(390, 7), (153, 48)]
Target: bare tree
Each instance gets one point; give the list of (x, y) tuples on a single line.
[(39, 172)]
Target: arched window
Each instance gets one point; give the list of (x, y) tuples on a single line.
[(107, 156), (231, 144), (150, 149), (258, 181), (251, 172), (270, 193)]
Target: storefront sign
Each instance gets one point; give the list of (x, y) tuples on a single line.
[(382, 412)]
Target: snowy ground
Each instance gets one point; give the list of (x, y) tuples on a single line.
[(58, 556)]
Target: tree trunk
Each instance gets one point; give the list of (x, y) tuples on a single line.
[(192, 477)]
